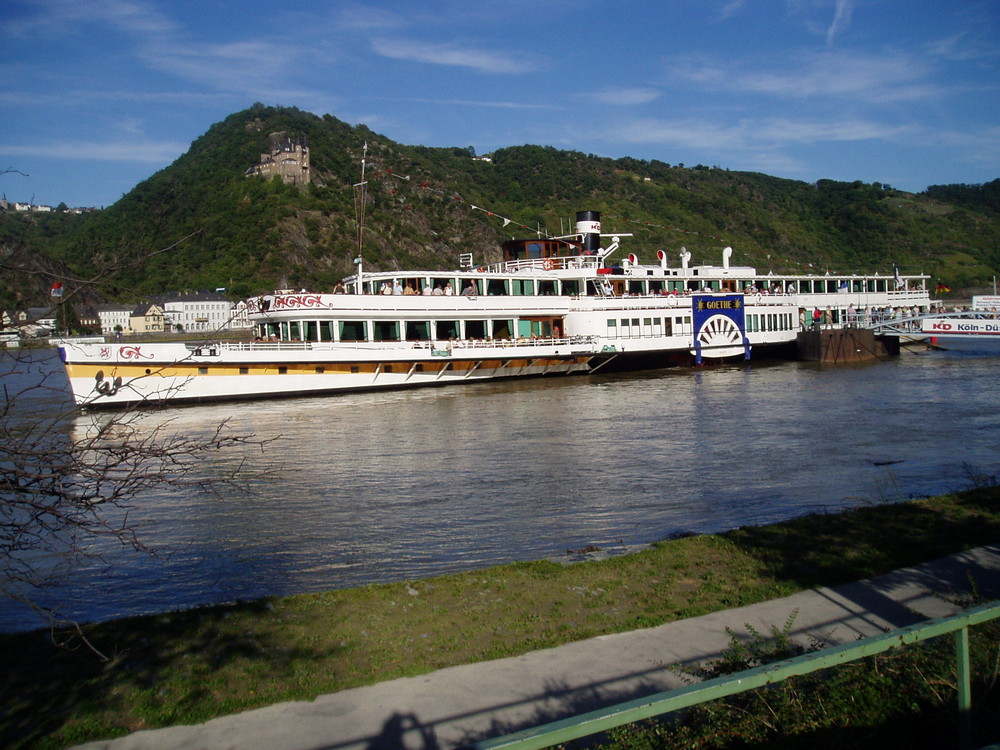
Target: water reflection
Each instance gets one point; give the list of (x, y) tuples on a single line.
[(384, 486)]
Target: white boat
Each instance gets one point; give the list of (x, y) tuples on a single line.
[(969, 331), (552, 306)]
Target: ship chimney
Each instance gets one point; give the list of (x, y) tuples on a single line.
[(727, 253), (588, 226)]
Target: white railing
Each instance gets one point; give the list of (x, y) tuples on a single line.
[(523, 341), (573, 262)]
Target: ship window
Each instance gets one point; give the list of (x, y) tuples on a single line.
[(647, 326), (353, 330), (282, 370), (294, 331), (547, 288), (475, 329), (523, 287), (635, 287), (570, 288), (496, 288), (612, 328), (534, 249), (439, 285), (320, 369), (418, 367), (502, 328), (203, 371), (418, 330), (446, 329), (326, 330), (387, 368), (244, 370), (668, 327), (385, 330), (513, 251), (355, 369)]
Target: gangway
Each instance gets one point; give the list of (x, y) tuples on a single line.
[(924, 328)]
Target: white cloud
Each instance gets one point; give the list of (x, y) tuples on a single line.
[(841, 20), (145, 152), (243, 66), (624, 97), (484, 103), (361, 18), (750, 134), (484, 61), (876, 78), (58, 17), (730, 8)]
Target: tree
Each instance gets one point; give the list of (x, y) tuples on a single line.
[(68, 478)]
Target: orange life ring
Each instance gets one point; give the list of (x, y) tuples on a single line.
[(547, 265)]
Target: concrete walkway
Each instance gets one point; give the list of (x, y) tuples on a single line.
[(452, 707)]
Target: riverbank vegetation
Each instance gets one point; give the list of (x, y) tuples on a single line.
[(190, 666)]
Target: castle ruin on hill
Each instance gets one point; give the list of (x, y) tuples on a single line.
[(288, 157)]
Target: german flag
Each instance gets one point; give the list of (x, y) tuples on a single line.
[(942, 288)]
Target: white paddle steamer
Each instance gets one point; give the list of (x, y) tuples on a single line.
[(552, 306)]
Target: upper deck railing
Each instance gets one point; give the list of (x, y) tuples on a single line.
[(522, 342)]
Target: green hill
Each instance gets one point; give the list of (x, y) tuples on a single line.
[(201, 223)]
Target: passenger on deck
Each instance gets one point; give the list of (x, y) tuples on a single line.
[(470, 290)]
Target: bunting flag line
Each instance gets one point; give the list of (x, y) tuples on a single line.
[(540, 233), (669, 228)]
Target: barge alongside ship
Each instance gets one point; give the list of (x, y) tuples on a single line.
[(552, 306)]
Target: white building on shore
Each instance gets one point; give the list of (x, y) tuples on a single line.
[(115, 316), (197, 311)]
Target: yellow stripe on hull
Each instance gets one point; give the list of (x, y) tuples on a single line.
[(189, 371), (111, 384)]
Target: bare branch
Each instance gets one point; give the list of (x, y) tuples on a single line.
[(71, 482)]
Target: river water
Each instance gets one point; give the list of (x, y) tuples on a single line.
[(388, 486)]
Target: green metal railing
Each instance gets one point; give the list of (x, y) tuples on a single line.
[(603, 719)]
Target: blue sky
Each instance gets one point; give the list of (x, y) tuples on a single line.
[(97, 95)]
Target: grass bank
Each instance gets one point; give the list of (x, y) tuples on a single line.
[(191, 666)]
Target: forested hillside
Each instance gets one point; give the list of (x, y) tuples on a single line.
[(201, 223)]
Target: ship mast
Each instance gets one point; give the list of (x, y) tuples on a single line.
[(360, 189)]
